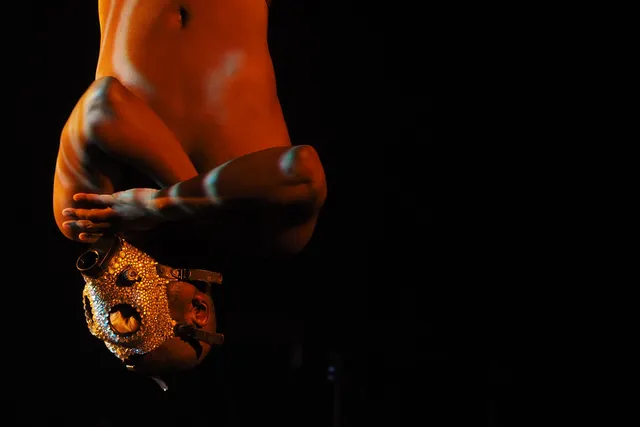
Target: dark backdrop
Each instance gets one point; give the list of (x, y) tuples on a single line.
[(377, 294)]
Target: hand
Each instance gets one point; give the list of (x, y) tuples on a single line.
[(129, 210)]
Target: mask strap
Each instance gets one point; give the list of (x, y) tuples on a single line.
[(189, 274), (189, 332)]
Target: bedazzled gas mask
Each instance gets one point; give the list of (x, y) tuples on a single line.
[(125, 298)]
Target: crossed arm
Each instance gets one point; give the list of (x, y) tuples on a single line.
[(280, 188)]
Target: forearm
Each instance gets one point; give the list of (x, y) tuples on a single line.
[(282, 188)]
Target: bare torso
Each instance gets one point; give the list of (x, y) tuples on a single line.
[(203, 66), (182, 88)]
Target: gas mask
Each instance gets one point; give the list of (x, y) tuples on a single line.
[(125, 298)]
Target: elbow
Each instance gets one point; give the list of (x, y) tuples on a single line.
[(303, 166), (317, 186), (319, 194)]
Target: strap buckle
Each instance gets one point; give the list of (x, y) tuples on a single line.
[(181, 273)]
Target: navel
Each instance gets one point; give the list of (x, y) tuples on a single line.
[(185, 16)]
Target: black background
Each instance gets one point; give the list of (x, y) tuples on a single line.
[(383, 291)]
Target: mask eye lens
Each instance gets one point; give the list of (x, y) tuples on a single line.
[(124, 319), (128, 277)]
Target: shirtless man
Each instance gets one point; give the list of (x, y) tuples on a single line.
[(185, 94)]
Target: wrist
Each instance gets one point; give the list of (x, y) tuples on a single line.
[(169, 205)]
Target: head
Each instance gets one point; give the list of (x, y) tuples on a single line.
[(155, 318)]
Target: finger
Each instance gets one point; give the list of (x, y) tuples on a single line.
[(89, 237), (69, 213), (85, 226), (95, 215), (104, 200)]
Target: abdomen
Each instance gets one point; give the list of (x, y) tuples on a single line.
[(210, 79)]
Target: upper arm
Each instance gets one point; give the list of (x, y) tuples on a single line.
[(127, 129)]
